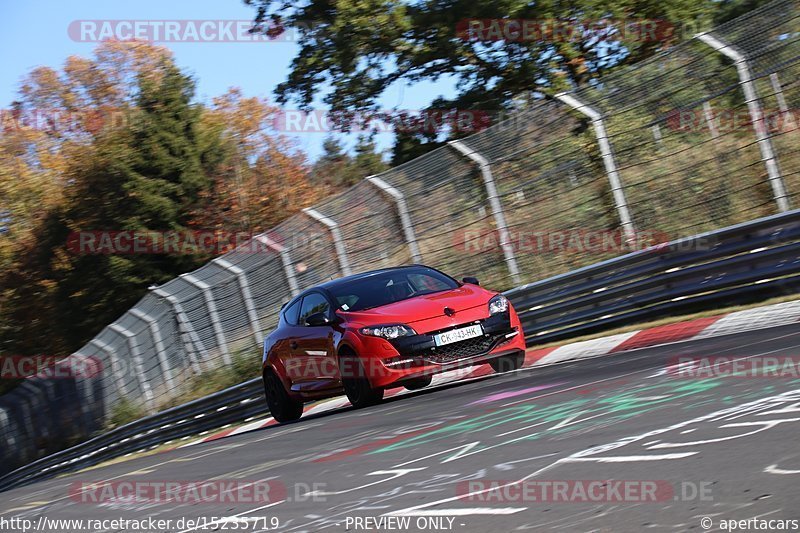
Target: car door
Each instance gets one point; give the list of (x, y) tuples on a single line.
[(313, 360), (278, 348)]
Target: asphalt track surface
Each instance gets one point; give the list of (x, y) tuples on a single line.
[(725, 448)]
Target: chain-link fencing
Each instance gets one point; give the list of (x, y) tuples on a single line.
[(701, 136)]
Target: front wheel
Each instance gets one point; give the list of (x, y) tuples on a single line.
[(355, 383), (508, 362), (281, 406)]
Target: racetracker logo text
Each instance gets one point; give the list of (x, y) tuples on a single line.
[(178, 492)]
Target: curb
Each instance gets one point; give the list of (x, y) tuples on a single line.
[(701, 328)]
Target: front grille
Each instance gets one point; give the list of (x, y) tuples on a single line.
[(450, 353)]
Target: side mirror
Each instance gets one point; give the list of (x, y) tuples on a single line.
[(317, 319), (470, 279)]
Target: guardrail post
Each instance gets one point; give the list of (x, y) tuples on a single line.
[(115, 363), (778, 90), (137, 364), (656, 129), (158, 341), (183, 321), (494, 203), (286, 260), (338, 243), (402, 210), (617, 190), (756, 116), (708, 114), (211, 306), (247, 297)]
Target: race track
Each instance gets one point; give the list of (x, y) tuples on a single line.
[(455, 458)]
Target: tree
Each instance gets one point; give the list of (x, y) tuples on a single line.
[(136, 153), (335, 169), (331, 169), (359, 49), (142, 172), (731, 9), (367, 160), (264, 177), (148, 176)]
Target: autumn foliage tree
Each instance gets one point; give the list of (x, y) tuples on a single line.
[(136, 152), (264, 177)]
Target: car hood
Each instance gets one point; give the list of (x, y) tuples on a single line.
[(423, 307)]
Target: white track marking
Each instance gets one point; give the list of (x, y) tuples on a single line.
[(464, 512), (773, 469), (630, 458)]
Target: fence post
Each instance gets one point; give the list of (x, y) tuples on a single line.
[(656, 129), (402, 210), (338, 243), (211, 306), (708, 114), (247, 297), (756, 115), (115, 363), (286, 260), (494, 203), (183, 320), (137, 364), (785, 114), (617, 190), (158, 341)]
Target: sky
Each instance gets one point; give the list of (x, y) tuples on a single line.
[(37, 33)]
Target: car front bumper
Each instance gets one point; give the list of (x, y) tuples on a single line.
[(418, 356)]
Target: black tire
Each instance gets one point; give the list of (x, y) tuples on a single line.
[(508, 362), (355, 383), (281, 406), (418, 383)]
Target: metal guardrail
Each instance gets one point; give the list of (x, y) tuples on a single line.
[(729, 265), (229, 406), (758, 258)]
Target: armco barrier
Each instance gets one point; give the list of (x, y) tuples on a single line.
[(718, 267), (655, 165), (225, 407), (761, 256)]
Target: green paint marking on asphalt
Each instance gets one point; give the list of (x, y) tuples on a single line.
[(587, 412)]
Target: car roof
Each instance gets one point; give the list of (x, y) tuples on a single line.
[(363, 275)]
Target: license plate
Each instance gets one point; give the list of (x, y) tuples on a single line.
[(460, 334)]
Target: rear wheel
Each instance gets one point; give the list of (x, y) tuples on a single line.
[(418, 383), (508, 362), (281, 406), (355, 383)]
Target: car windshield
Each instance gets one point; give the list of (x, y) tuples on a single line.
[(384, 288)]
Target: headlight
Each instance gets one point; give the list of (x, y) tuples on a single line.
[(389, 332), (498, 304)]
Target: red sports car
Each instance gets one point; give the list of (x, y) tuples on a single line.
[(398, 326)]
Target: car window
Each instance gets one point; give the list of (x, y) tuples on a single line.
[(290, 314), (389, 287), (313, 303), (424, 282)]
